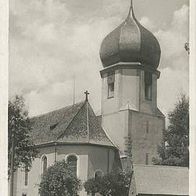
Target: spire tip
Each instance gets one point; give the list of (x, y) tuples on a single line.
[(131, 9)]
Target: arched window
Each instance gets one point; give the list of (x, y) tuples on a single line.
[(26, 176), (111, 81), (148, 85), (98, 174), (72, 164), (44, 164)]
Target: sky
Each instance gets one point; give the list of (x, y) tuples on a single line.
[(53, 41)]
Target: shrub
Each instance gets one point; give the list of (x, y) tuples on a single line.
[(112, 184), (58, 180)]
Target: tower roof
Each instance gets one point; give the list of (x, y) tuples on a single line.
[(76, 124), (130, 42)]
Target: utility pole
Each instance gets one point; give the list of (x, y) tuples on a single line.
[(74, 89), (12, 164)]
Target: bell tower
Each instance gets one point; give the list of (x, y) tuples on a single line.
[(130, 55)]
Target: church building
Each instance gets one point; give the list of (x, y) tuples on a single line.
[(130, 124)]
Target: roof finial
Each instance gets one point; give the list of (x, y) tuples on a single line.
[(86, 93), (131, 9), (132, 3)]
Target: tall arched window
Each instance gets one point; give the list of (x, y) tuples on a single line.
[(98, 174), (26, 176), (72, 164), (44, 164), (148, 85)]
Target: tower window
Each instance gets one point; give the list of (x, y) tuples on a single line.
[(147, 157), (148, 85), (72, 164), (44, 164), (111, 80), (147, 126)]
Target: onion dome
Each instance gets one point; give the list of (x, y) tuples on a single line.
[(130, 42)]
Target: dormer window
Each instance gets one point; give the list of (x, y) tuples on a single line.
[(111, 80), (148, 85), (53, 126)]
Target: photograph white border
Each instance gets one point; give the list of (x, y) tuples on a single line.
[(4, 29)]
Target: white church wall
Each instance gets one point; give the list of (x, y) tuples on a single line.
[(126, 91), (100, 159), (129, 89), (110, 105), (19, 180), (116, 126), (90, 159), (148, 106), (146, 134)]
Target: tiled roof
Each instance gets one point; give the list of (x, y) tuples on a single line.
[(161, 180), (85, 128), (72, 124)]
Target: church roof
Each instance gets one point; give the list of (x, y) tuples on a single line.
[(161, 180), (73, 124)]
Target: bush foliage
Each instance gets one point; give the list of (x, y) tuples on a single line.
[(58, 180), (174, 149), (111, 184), (18, 131)]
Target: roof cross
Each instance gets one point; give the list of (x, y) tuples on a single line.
[(86, 93)]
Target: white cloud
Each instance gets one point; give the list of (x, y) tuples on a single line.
[(49, 44), (147, 23), (174, 64), (172, 40)]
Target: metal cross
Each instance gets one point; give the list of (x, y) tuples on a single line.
[(86, 93)]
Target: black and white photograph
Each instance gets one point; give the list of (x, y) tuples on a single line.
[(98, 98)]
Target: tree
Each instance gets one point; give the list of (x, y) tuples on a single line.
[(20, 146), (58, 180), (111, 184), (174, 149)]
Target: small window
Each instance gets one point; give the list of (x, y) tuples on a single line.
[(148, 85), (44, 164), (110, 90), (111, 80), (98, 174), (147, 157), (72, 164), (26, 176), (147, 126), (53, 126)]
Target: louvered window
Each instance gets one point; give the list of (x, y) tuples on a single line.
[(148, 85), (72, 164), (111, 81)]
